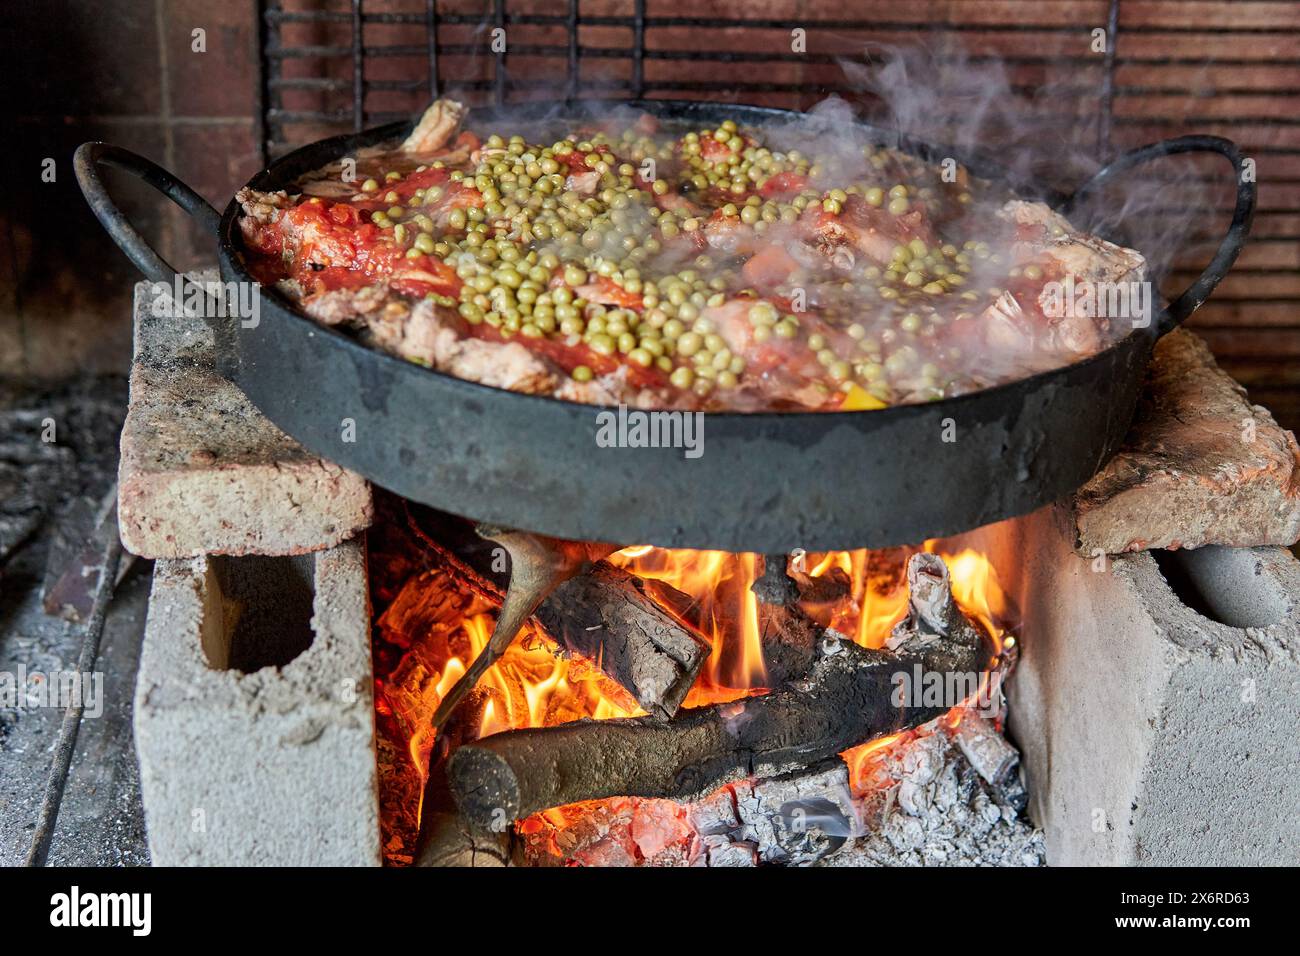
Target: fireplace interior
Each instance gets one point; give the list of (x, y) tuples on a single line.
[(326, 673)]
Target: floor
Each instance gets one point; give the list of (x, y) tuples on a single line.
[(101, 821)]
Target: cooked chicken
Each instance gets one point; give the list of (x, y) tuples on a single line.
[(435, 336), (436, 128)]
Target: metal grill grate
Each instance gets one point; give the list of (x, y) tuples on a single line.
[(338, 65), (1220, 66)]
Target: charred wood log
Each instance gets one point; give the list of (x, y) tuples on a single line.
[(538, 565), (775, 585), (606, 616), (848, 697), (448, 839)]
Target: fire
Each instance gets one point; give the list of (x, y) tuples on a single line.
[(722, 609), (860, 593)]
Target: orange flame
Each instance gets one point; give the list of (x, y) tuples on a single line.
[(723, 610)]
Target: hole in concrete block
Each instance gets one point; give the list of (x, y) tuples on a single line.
[(262, 611), (1224, 585)]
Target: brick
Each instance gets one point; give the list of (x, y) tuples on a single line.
[(219, 81), (1200, 466), (254, 714), (204, 472), (1156, 727)]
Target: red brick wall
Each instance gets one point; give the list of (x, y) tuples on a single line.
[(121, 71), (124, 71)]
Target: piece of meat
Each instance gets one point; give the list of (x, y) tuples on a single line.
[(1058, 335), (616, 388), (730, 236), (335, 306), (434, 335), (785, 369), (584, 184), (259, 223), (872, 230), (436, 128), (1082, 255), (263, 207), (1023, 343)]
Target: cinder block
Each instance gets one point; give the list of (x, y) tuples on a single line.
[(254, 715), (204, 472), (1157, 724)]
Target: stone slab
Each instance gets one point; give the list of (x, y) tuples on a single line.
[(1201, 465), (204, 472)]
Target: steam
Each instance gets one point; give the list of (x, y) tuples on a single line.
[(1039, 140)]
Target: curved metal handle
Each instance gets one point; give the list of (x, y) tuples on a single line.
[(1230, 246), (146, 259)]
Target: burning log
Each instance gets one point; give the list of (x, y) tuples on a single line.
[(606, 616), (774, 585), (849, 696), (538, 565)]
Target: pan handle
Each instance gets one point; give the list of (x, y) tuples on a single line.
[(90, 155), (1231, 244)]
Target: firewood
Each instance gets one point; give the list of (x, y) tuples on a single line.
[(609, 616), (775, 585), (538, 565), (846, 699), (606, 616)]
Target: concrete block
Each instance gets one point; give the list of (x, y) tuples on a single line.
[(1157, 698), (204, 472), (254, 713)]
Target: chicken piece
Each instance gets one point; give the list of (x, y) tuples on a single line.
[(614, 388), (262, 207), (872, 230), (785, 370), (731, 236), (433, 335), (336, 306), (584, 184), (261, 213), (436, 129), (1029, 343), (1063, 334), (1082, 255)]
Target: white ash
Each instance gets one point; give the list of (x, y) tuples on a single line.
[(940, 812), (923, 804)]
